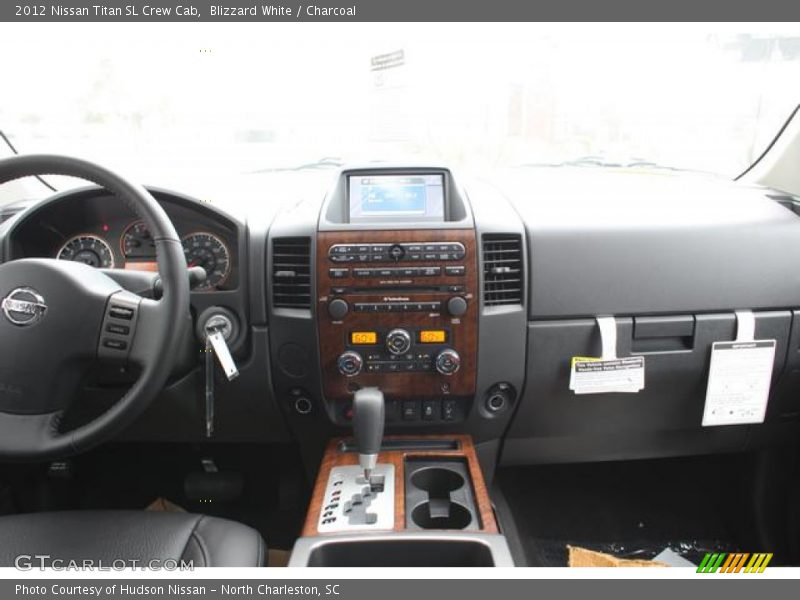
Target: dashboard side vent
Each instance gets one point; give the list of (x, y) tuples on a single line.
[(503, 281), (291, 272)]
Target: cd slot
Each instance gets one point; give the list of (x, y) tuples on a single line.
[(398, 289), (421, 289)]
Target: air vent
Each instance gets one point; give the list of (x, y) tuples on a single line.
[(291, 272), (502, 269)]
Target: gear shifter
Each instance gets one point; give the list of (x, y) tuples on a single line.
[(368, 421)]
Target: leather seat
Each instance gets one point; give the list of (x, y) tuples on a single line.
[(142, 536)]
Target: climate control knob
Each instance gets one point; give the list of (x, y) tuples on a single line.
[(398, 341), (448, 361), (338, 309), (350, 363)]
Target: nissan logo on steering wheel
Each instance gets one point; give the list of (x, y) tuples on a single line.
[(24, 306)]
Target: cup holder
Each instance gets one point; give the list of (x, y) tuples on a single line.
[(437, 481), (439, 494), (453, 516)]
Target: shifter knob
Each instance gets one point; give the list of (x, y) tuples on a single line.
[(368, 421)]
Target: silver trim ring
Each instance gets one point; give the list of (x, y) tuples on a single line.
[(24, 306)]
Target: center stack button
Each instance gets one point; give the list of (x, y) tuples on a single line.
[(398, 341), (338, 309), (448, 361), (396, 252), (350, 363)]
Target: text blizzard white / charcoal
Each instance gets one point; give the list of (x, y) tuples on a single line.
[(278, 10)]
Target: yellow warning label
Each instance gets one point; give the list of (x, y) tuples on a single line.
[(577, 359)]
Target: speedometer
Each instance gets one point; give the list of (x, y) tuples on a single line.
[(88, 249), (210, 252)]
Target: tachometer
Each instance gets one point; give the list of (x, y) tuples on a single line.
[(88, 249), (137, 242), (210, 252)]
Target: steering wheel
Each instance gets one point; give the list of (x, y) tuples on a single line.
[(58, 319)]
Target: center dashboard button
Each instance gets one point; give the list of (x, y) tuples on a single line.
[(398, 341), (338, 309), (396, 252), (455, 271), (410, 410)]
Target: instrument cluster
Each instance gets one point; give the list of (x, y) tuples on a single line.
[(90, 227), (135, 249)]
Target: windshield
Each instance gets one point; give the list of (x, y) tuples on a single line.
[(176, 104)]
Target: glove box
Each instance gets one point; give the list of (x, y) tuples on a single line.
[(553, 424)]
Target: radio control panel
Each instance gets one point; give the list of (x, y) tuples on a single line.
[(454, 271), (398, 310), (397, 252)]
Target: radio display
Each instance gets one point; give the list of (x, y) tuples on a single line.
[(376, 198), (432, 336), (362, 338)]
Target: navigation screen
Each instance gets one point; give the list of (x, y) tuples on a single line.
[(396, 198)]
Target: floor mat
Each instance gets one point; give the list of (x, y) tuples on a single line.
[(582, 557), (554, 552), (631, 509)]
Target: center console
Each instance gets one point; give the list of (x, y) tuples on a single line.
[(397, 312), (426, 504), (397, 292)]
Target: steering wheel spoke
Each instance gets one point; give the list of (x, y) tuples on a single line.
[(146, 339), (141, 283), (118, 329)]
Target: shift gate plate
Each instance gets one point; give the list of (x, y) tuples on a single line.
[(353, 504)]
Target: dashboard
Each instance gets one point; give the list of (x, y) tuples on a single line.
[(464, 301)]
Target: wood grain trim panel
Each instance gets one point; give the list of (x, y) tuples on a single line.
[(334, 458), (464, 330)]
